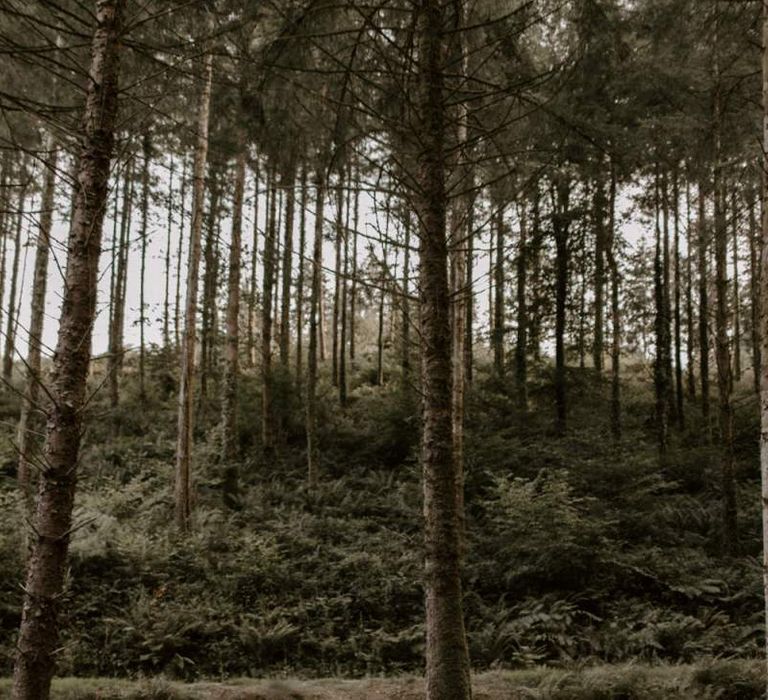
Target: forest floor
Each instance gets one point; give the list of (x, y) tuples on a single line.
[(731, 680)]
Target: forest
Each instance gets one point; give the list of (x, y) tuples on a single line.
[(383, 349)]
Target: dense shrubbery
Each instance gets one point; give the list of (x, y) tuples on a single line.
[(580, 549)]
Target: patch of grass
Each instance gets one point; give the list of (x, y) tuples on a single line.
[(709, 680)]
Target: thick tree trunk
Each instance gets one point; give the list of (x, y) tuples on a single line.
[(446, 647), (313, 454), (182, 485), (13, 310), (29, 419), (232, 365), (47, 565)]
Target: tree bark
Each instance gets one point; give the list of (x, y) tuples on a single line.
[(268, 281), (47, 565), (447, 672), (253, 294), (300, 280), (179, 253), (313, 455), (736, 291), (689, 317), (13, 310), (30, 410), (755, 277), (600, 246), (285, 300), (498, 303), (182, 485), (353, 285), (232, 365), (613, 267), (147, 150), (521, 345), (167, 292), (661, 328), (703, 270), (561, 224), (343, 304), (678, 324)]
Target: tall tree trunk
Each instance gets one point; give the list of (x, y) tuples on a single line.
[(313, 455), (763, 315), (689, 317), (405, 359), (560, 225), (182, 485), (447, 671), (667, 301), (353, 285), (703, 243), (337, 277), (613, 267), (300, 280), (208, 324), (253, 293), (268, 281), (498, 303), (661, 328), (469, 342), (29, 419), (47, 565), (147, 151), (678, 326), (736, 291), (167, 293), (534, 255), (116, 350), (600, 245), (179, 253), (231, 367), (13, 311), (755, 276), (285, 300), (521, 345), (343, 310), (722, 350)]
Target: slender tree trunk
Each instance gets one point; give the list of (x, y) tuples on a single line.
[(167, 294), (208, 323), (763, 315), (116, 350), (46, 569), (447, 669), (560, 225), (13, 311), (703, 302), (337, 277), (29, 419), (521, 345), (736, 291), (147, 148), (678, 325), (689, 317), (231, 368), (534, 255), (343, 310), (600, 245), (285, 308), (667, 302), (179, 252), (300, 280), (660, 374), (469, 342), (5, 218), (313, 455), (182, 485), (613, 267), (253, 294), (353, 285), (268, 281), (498, 304), (405, 360), (755, 277)]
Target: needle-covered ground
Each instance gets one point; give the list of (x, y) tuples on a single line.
[(709, 680)]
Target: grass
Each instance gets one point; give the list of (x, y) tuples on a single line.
[(711, 680)]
